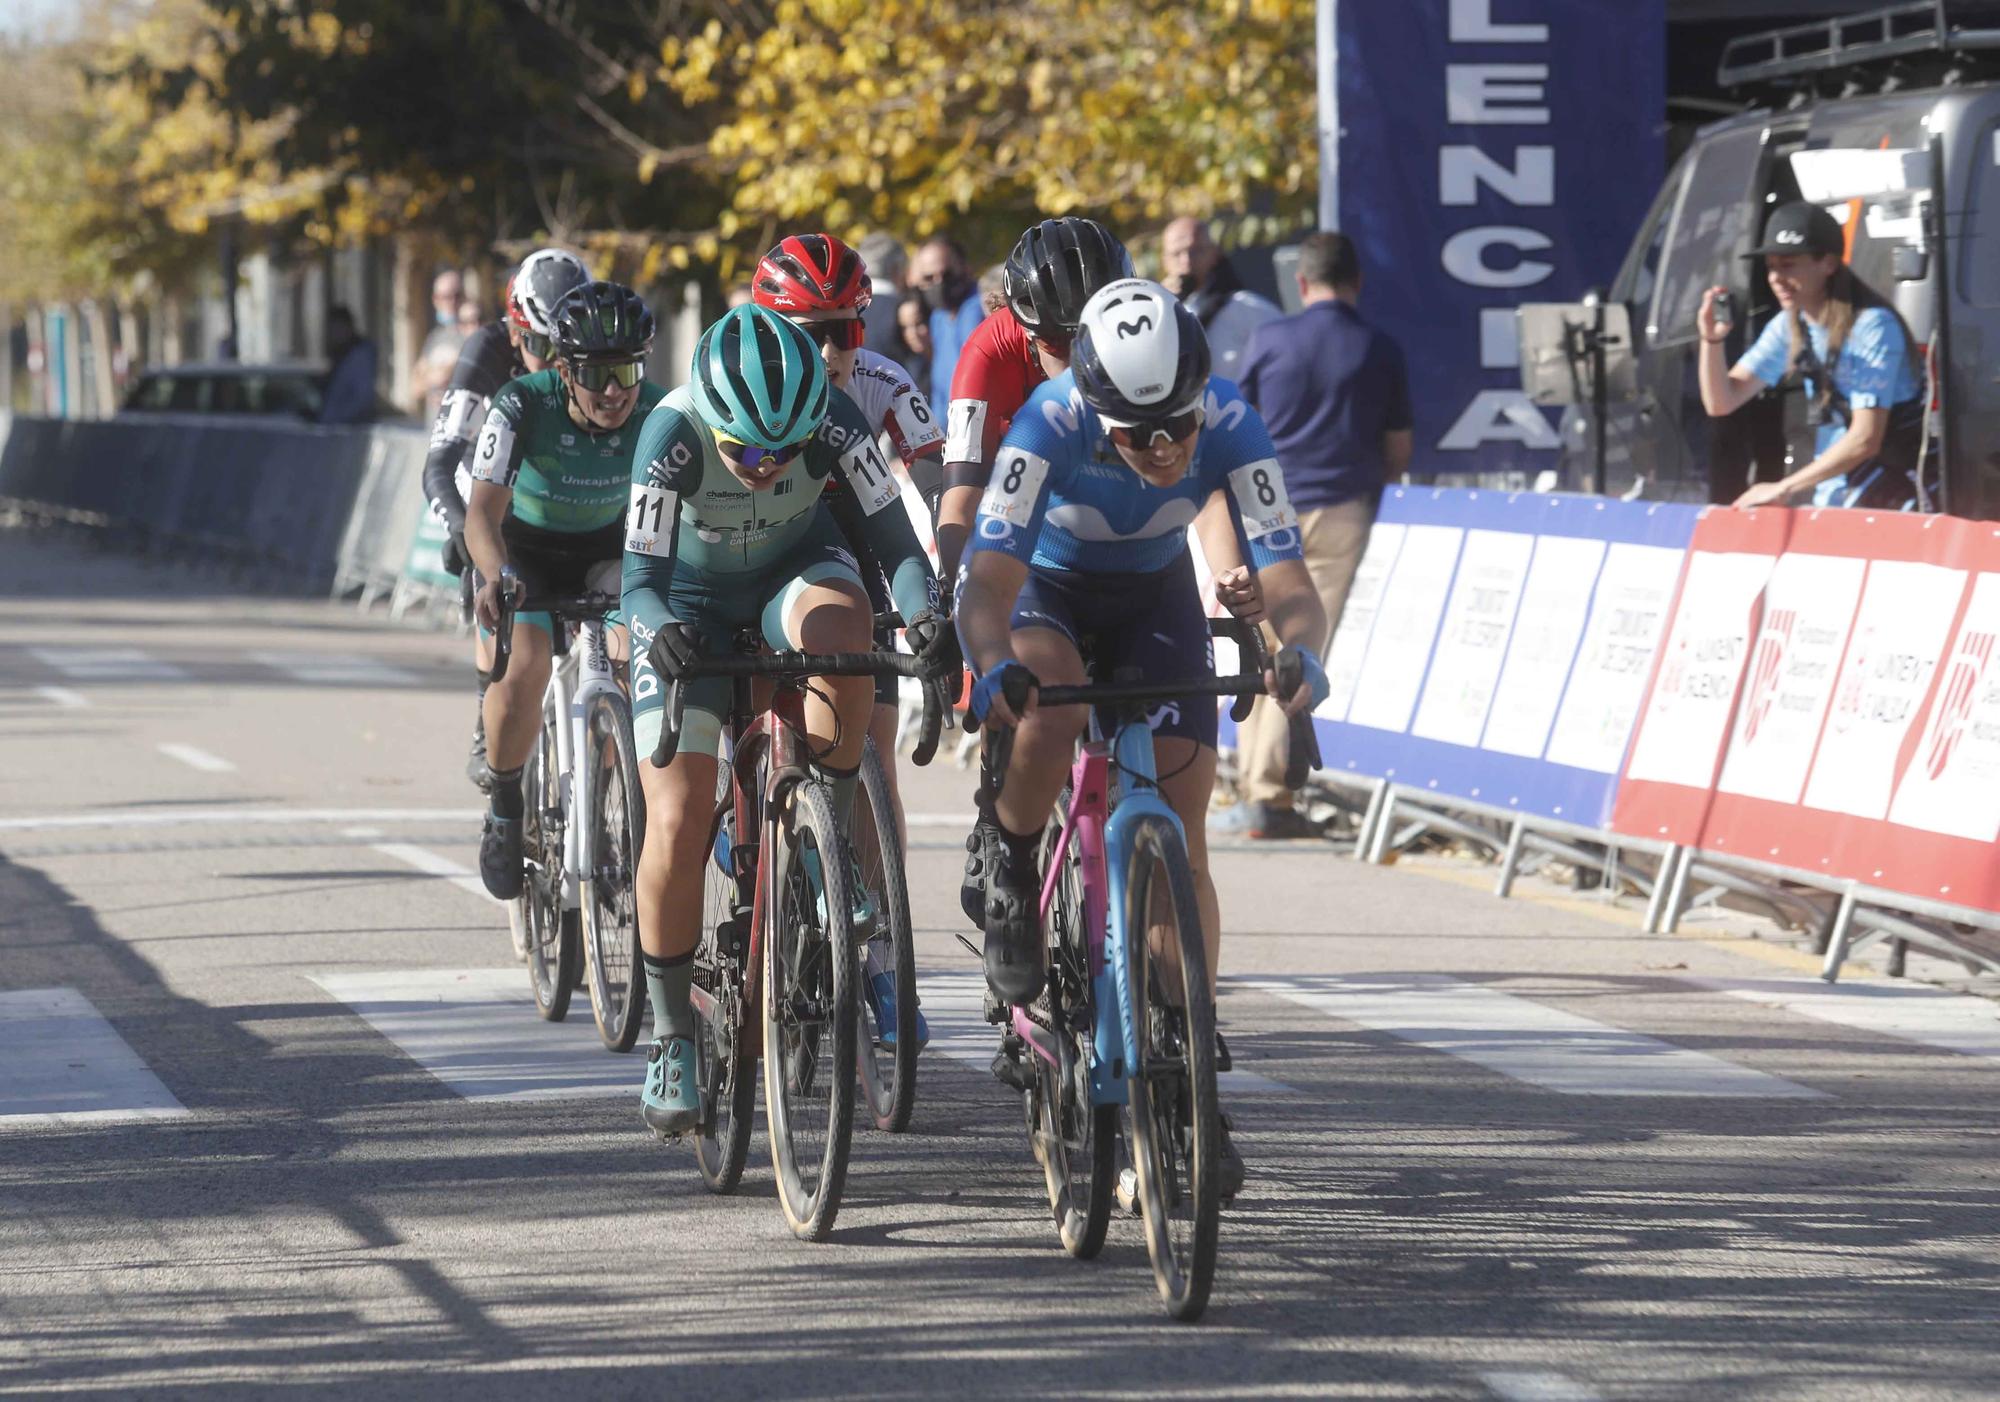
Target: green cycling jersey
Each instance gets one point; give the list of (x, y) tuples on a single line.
[(564, 478)]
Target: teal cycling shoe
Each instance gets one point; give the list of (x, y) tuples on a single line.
[(670, 1103), (880, 990), (861, 905)]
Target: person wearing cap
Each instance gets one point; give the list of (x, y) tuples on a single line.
[(1851, 349)]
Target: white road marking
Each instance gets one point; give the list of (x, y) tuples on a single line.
[(113, 818), (940, 820), (108, 664), (955, 1007), (61, 1063), (476, 1031), (336, 668), (1526, 1040), (1536, 1387), (1950, 1021), (197, 759), (63, 696), (431, 864)]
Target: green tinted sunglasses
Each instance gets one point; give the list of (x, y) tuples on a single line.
[(597, 377)]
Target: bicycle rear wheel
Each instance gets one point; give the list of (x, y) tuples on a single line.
[(554, 938), (726, 1076), (1074, 1139), (809, 1017), (888, 1073), (617, 832), (1175, 1126)]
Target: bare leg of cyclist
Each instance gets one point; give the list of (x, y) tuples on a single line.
[(667, 890), (832, 616), (1190, 768), (513, 712), (882, 730), (1045, 741)]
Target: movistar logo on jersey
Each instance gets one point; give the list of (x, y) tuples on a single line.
[(1220, 415)]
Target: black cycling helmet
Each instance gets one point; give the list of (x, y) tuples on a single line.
[(1139, 355), (600, 321), (1055, 267)]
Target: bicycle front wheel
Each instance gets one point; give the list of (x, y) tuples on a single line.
[(1175, 1126), (1074, 1138), (887, 955), (809, 1017), (554, 939), (616, 834), (726, 1074)]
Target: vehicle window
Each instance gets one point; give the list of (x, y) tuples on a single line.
[(1640, 273), (1710, 224), (190, 394), (1977, 252), (154, 393), (228, 391)]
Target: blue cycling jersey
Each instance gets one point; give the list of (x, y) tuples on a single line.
[(1061, 498)]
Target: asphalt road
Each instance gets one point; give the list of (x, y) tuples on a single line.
[(1497, 1149)]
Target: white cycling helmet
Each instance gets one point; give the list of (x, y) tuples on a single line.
[(545, 277), (1139, 355)]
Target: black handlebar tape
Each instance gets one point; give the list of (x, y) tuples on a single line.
[(503, 638)]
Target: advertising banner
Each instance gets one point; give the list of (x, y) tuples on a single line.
[(1496, 646), (1483, 153), (1828, 700)]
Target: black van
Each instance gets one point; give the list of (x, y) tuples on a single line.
[(1891, 119)]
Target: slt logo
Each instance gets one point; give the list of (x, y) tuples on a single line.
[(1955, 701), (1764, 670)]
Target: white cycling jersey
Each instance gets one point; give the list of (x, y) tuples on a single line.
[(887, 398)]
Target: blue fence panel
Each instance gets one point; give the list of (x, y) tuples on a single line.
[(1496, 646)]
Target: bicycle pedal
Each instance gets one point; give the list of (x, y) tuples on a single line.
[(1010, 1072)]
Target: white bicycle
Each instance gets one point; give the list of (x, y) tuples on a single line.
[(576, 914)]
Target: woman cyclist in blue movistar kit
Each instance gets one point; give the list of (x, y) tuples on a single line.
[(1080, 546)]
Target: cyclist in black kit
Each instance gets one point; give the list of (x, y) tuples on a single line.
[(494, 354)]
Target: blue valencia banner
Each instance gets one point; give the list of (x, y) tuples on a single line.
[(1481, 154)]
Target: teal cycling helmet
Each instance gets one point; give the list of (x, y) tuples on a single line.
[(759, 379)]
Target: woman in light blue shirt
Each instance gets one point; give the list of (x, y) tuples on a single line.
[(1868, 412)]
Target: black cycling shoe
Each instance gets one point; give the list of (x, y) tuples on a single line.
[(500, 857), (1009, 1066), (1222, 1061), (983, 847), (475, 763), (1013, 931), (1228, 1163)]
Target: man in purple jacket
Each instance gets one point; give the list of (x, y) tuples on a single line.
[(1333, 391)]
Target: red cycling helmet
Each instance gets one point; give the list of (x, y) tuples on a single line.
[(810, 275), (515, 316)]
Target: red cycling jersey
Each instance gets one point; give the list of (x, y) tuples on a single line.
[(997, 371)]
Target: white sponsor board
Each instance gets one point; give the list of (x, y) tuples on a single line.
[(1952, 785), (1357, 618), (1472, 643), (1690, 710), (1399, 649), (1554, 604), (1808, 607), (1899, 634), (1628, 614)]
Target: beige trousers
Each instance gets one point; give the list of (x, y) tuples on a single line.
[(1333, 539)]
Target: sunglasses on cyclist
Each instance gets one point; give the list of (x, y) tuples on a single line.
[(598, 376), (752, 455), (536, 344), (842, 333), (1139, 437)]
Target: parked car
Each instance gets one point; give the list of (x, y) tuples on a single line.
[(1889, 119), (287, 392)]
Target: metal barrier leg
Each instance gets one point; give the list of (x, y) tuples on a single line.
[(1899, 953), (1670, 918), (1510, 860), (1836, 941), (1663, 879), (1364, 837), (1385, 827)]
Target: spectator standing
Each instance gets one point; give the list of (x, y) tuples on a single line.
[(439, 353), (1334, 393), (888, 268), (913, 341), (1194, 270), (1867, 412), (349, 396), (940, 273)]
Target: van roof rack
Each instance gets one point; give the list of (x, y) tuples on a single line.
[(1926, 28)]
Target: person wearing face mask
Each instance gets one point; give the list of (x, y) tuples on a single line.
[(944, 279), (520, 343), (1853, 353), (550, 480), (441, 344), (1081, 545), (1195, 270)]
